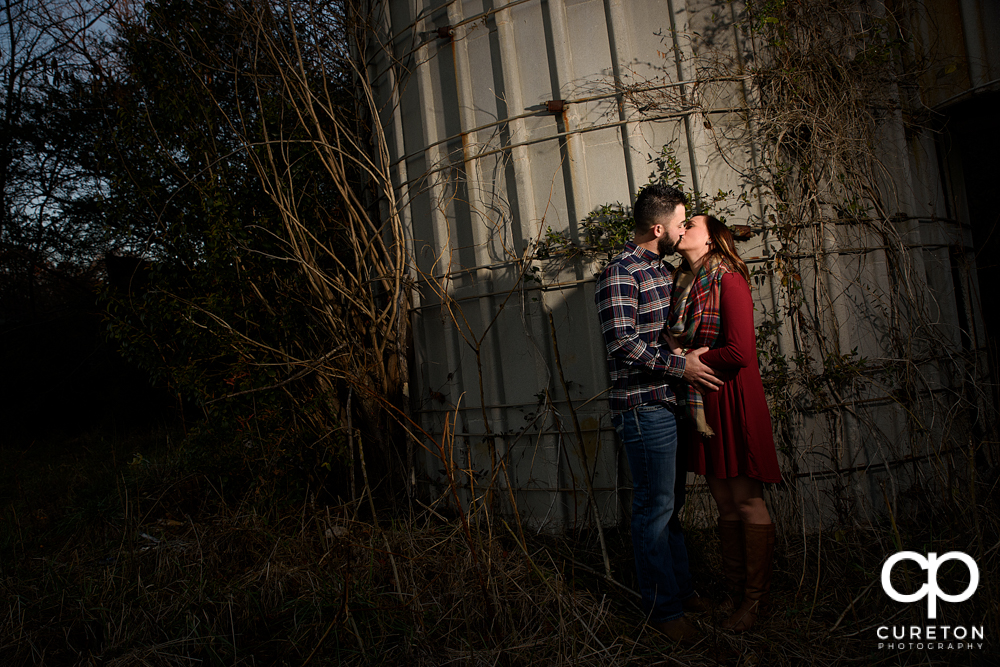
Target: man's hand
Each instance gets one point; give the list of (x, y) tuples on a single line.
[(698, 374)]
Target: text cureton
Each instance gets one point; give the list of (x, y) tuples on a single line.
[(930, 633), (930, 646)]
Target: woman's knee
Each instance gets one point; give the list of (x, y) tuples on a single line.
[(723, 498), (728, 512), (753, 510)]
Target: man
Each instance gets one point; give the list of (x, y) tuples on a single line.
[(633, 303)]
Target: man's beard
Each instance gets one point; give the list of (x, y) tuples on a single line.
[(665, 246)]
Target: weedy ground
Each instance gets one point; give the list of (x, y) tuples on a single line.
[(115, 553)]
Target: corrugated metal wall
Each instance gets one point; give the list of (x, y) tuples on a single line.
[(504, 119)]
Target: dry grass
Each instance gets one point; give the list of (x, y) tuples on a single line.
[(165, 569)]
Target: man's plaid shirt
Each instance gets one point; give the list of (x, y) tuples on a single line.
[(633, 303)]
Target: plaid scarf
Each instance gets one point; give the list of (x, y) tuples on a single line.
[(695, 322)]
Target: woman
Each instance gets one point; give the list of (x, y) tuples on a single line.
[(728, 434)]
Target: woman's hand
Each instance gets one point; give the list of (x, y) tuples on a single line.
[(671, 342)]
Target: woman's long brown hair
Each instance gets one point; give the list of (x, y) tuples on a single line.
[(724, 245)]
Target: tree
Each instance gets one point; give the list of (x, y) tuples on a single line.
[(237, 167), (47, 55)]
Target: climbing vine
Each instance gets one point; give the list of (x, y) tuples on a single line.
[(854, 359)]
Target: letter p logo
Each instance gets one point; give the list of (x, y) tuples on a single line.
[(930, 590)]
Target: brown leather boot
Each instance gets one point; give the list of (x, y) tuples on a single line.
[(734, 568), (759, 540)]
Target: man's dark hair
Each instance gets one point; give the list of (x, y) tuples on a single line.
[(653, 201)]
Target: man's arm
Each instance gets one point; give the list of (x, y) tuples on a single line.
[(617, 304)]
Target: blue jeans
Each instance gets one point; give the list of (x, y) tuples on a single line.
[(649, 433)]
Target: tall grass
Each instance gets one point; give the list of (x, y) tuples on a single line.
[(115, 553)]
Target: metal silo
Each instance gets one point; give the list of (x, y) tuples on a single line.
[(507, 120)]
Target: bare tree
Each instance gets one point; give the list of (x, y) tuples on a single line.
[(246, 170), (47, 53)]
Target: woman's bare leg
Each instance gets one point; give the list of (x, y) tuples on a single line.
[(748, 496), (739, 499), (723, 497)]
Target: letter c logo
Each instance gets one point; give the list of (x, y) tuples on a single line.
[(930, 590)]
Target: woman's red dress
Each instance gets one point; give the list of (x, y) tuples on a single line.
[(743, 443)]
